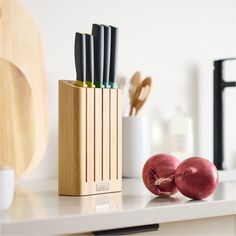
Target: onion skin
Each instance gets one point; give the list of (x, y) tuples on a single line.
[(159, 166), (196, 178)]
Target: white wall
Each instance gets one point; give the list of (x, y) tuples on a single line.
[(174, 41)]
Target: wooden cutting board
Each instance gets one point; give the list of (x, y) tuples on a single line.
[(23, 91)]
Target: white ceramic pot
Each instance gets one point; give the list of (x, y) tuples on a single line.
[(136, 145), (7, 187)]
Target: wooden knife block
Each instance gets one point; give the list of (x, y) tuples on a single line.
[(89, 140)]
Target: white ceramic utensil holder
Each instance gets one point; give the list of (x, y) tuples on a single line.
[(7, 187), (136, 145)]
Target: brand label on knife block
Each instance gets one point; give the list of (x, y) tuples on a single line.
[(102, 186), (89, 140)]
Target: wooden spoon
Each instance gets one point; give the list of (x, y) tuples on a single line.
[(135, 82), (141, 95)]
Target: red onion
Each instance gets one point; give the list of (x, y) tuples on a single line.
[(158, 167), (196, 178)]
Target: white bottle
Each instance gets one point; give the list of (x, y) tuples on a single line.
[(181, 135)]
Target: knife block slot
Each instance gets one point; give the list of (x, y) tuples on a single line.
[(89, 140)]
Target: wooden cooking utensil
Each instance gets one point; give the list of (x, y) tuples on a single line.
[(135, 81), (140, 96), (23, 91)]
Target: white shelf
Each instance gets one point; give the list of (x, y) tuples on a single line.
[(37, 208)]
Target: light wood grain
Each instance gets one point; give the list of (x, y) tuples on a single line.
[(23, 91), (79, 137), (98, 134), (119, 137), (17, 131), (71, 148), (86, 165), (113, 134), (106, 134), (90, 135)]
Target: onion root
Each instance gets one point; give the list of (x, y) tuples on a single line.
[(188, 171)]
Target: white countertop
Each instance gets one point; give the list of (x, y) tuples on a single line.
[(37, 208)]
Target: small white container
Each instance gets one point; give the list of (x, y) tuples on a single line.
[(136, 145), (7, 187)]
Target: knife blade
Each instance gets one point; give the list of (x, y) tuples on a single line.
[(113, 59), (80, 60), (107, 51), (98, 35), (89, 61)]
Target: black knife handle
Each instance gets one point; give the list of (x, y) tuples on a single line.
[(107, 51), (113, 61), (89, 59), (80, 57), (98, 36)]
